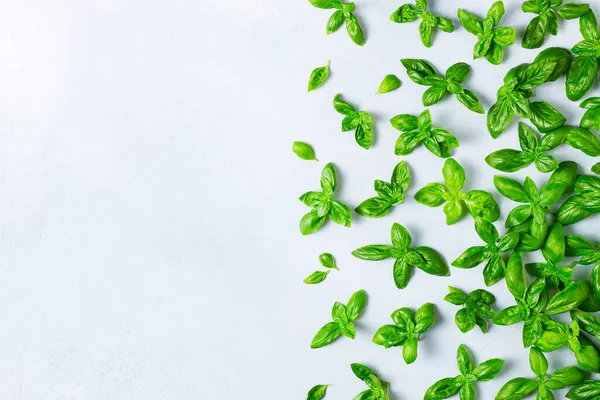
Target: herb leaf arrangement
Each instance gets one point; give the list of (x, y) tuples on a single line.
[(546, 21), (464, 383), (429, 21), (343, 321), (323, 204), (422, 72), (344, 13), (361, 122), (476, 308), (416, 130), (478, 203), (407, 330), (378, 388), (491, 39), (422, 257), (388, 194), (327, 261)]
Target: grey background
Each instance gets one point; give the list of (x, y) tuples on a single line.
[(149, 246)]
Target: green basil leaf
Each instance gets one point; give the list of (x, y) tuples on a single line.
[(404, 122), (471, 257), (340, 214), (364, 135), (588, 25), (424, 318), (454, 175), (494, 270), (589, 390), (470, 100), (581, 76), (389, 336), (569, 298), (508, 160), (304, 151), (356, 304), (486, 231), (328, 261), (470, 22), (583, 140), (596, 168), (389, 84), (537, 362), (400, 178), (561, 57), (533, 75), (456, 296), (374, 252), (311, 222), (375, 207), (481, 204), (572, 210), (339, 314), (426, 33), (509, 316), (354, 30), (400, 237), (327, 334), (445, 24), (406, 13), (318, 76), (454, 211), (317, 392), (442, 389), (517, 388), (488, 370), (434, 262), (335, 22), (588, 322), (341, 106), (433, 95), (554, 248), (511, 189), (458, 72), (402, 273), (499, 117), (465, 320), (505, 36), (431, 195), (534, 34), (316, 277), (591, 119), (463, 359), (515, 275), (420, 71), (409, 351), (545, 117), (573, 10), (326, 4), (495, 53)]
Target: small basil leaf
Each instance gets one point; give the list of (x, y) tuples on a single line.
[(304, 151), (328, 261), (317, 392), (327, 334), (318, 76), (316, 277), (389, 84)]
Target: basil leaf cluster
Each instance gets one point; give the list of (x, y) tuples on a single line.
[(584, 68), (543, 383), (323, 204), (479, 203), (469, 375), (417, 130), (422, 72), (361, 122), (327, 261), (546, 20), (422, 257), (344, 13), (490, 254), (407, 330), (476, 308), (491, 39), (343, 320), (513, 96), (388, 194), (378, 388), (429, 21)]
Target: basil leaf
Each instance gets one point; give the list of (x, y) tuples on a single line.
[(402, 273), (508, 160), (442, 389), (583, 140), (327, 334), (573, 10), (404, 122), (431, 195), (375, 252), (545, 117), (471, 257), (499, 117), (389, 336), (560, 57), (420, 72), (316, 277), (509, 316), (375, 207), (515, 275), (389, 84), (456, 296), (488, 370), (406, 13), (589, 390), (328, 261), (470, 22), (400, 237), (516, 388), (317, 392), (470, 100), (434, 262), (568, 299), (433, 95), (424, 318), (341, 106), (335, 22), (311, 222), (580, 77), (537, 362), (326, 4), (481, 204), (318, 76), (304, 151), (588, 25), (463, 360), (409, 351), (596, 168), (554, 248), (510, 189), (454, 175), (354, 30), (465, 321), (356, 304)]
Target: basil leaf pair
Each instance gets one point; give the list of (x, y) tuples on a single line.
[(490, 254), (513, 96), (407, 330), (578, 138), (304, 151), (318, 76), (479, 203), (429, 21), (424, 258), (378, 388), (546, 20), (417, 130), (323, 205), (465, 382), (422, 72), (389, 84), (361, 122), (492, 39), (476, 308), (584, 68), (532, 151), (529, 218), (327, 261), (317, 392), (519, 388), (343, 321), (585, 203), (388, 194), (577, 246), (553, 252), (344, 13)]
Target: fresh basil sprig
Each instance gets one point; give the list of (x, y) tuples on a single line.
[(304, 151), (588, 390), (492, 39), (529, 218), (553, 252), (577, 246), (532, 151), (388, 194), (513, 96), (417, 130), (469, 375), (429, 21), (422, 72), (407, 330), (323, 204), (585, 203), (378, 388), (343, 320), (546, 20), (389, 84), (344, 13), (476, 308), (490, 254), (318, 76), (519, 388), (327, 261), (479, 203), (424, 258), (317, 392), (361, 122), (584, 68)]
